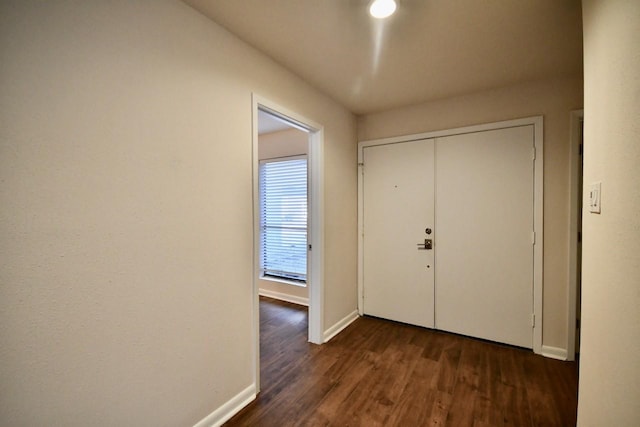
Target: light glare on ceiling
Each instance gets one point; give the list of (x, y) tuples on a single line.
[(382, 8)]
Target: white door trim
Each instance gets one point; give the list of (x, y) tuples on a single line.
[(537, 122), (315, 266), (576, 117)]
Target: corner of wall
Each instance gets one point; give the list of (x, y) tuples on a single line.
[(229, 409)]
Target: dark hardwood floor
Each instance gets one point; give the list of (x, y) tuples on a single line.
[(381, 373)]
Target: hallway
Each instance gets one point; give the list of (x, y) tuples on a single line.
[(381, 373)]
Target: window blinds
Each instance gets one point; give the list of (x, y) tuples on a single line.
[(283, 218)]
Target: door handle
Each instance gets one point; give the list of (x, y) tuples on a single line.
[(427, 245)]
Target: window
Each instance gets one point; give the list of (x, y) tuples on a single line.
[(283, 219)]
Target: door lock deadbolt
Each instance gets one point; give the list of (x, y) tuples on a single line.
[(427, 245)]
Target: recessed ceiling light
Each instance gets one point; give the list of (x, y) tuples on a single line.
[(382, 8)]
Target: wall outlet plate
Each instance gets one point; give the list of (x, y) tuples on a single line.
[(594, 196)]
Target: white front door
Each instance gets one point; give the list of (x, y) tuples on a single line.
[(398, 193), (484, 217), (475, 192)]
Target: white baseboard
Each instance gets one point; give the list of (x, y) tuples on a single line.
[(338, 327), (229, 409), (554, 352), (284, 297)]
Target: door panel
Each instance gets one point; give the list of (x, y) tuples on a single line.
[(398, 194), (476, 192), (484, 218)]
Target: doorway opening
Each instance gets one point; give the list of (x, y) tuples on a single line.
[(462, 155), (575, 235), (288, 230), (283, 201)]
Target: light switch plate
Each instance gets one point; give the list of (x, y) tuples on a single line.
[(594, 193)]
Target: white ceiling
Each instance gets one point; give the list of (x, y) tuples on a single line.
[(268, 123), (429, 49)]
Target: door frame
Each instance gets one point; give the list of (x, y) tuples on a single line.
[(577, 117), (538, 181), (315, 221)]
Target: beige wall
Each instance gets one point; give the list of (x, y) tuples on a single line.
[(610, 342), (126, 220), (554, 100), (290, 142)]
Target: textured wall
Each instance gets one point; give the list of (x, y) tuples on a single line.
[(126, 220), (610, 341)]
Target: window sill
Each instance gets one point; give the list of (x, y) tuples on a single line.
[(285, 281)]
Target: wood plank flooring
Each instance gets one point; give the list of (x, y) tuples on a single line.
[(381, 373)]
